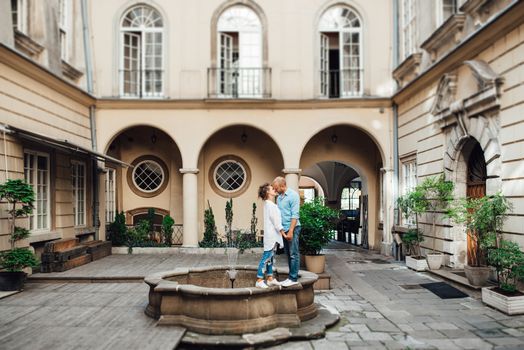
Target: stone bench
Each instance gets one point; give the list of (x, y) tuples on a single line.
[(65, 254), (86, 236)]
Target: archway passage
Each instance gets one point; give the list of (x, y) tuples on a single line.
[(337, 156), (475, 187)]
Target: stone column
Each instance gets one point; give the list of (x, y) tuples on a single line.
[(190, 193), (387, 206), (292, 177)]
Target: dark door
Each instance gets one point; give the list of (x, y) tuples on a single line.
[(365, 243), (476, 188)]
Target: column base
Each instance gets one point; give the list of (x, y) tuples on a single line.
[(386, 249)]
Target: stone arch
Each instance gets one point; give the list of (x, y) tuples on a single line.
[(480, 129), (214, 21)]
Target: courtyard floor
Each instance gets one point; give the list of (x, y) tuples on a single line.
[(376, 311)]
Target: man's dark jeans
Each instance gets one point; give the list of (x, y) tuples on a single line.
[(293, 256)]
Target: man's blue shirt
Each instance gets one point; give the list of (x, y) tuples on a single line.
[(289, 205)]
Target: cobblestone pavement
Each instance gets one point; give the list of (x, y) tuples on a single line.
[(371, 293)]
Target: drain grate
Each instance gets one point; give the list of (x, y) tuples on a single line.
[(379, 261), (357, 261), (410, 286)]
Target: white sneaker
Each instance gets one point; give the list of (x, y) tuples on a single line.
[(273, 282), (261, 284), (288, 283)]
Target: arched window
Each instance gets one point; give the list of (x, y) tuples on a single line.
[(141, 67), (239, 50), (341, 63)]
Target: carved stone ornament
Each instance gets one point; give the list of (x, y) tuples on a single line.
[(448, 111)]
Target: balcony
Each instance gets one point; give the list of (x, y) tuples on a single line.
[(239, 83), (341, 83), (142, 83)]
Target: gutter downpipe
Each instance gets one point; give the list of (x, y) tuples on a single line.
[(92, 121), (395, 120)]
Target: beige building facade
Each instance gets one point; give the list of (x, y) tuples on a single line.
[(131, 105)]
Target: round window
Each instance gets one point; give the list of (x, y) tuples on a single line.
[(230, 176), (148, 176)]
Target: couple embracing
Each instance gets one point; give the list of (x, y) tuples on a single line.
[(281, 228)]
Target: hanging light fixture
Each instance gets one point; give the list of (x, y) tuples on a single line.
[(334, 137), (243, 137)]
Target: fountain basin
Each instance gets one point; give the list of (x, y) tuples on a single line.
[(202, 300)]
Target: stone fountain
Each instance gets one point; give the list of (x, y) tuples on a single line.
[(202, 300)]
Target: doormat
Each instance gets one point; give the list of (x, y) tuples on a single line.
[(444, 290)]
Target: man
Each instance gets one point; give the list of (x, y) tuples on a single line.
[(288, 202)]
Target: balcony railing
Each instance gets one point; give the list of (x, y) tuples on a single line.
[(239, 82), (141, 83), (341, 83)]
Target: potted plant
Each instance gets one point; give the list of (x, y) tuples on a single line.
[(318, 223), (437, 194), (412, 205), (19, 197), (508, 260), (483, 217)]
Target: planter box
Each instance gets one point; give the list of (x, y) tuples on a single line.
[(509, 305), (416, 264)]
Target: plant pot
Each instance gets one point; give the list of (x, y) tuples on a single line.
[(434, 261), (510, 305), (315, 263), (477, 275), (11, 281), (418, 263)]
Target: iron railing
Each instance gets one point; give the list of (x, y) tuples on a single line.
[(141, 83), (239, 82), (341, 83)]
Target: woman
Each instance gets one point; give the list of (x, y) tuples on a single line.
[(272, 236)]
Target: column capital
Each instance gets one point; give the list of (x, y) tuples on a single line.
[(387, 170), (292, 171), (188, 170)]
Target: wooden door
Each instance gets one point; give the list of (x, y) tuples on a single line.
[(476, 188)]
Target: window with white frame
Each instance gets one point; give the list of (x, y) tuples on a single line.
[(64, 24), (350, 197), (341, 63), (445, 9), (409, 180), (142, 52), (36, 174), (239, 31), (78, 178), (408, 20), (19, 15), (110, 191)]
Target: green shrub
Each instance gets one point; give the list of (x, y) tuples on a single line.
[(318, 222), (19, 196), (508, 260), (167, 229), (117, 230)]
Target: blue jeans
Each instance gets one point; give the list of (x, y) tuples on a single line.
[(293, 256), (266, 260)]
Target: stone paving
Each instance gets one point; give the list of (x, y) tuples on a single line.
[(369, 291)]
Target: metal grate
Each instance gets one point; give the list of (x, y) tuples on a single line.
[(148, 176), (230, 176), (178, 234)]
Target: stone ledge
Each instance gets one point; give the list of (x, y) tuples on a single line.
[(184, 250), (312, 329), (43, 237)]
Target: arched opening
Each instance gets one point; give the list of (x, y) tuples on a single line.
[(239, 51), (309, 189), (142, 53), (233, 163), (471, 177), (154, 181), (341, 64), (347, 162)]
